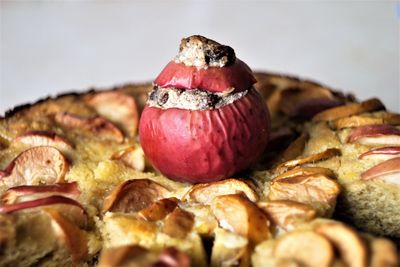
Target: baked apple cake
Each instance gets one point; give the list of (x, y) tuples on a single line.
[(215, 178)]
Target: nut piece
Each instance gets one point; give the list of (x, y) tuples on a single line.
[(134, 255), (202, 52), (324, 155), (159, 209), (239, 215), (315, 190), (382, 134), (383, 253), (42, 164), (133, 195), (43, 138), (357, 121), (69, 235), (206, 192), (132, 157), (178, 223), (350, 246), (387, 171), (29, 192), (286, 214), (304, 171), (307, 248), (97, 126), (119, 108), (385, 153), (348, 110)]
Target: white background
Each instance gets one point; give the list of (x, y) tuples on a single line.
[(49, 47)]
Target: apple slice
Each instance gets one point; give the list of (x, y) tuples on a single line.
[(118, 107), (357, 121), (350, 245), (134, 195), (132, 157), (286, 214), (206, 192), (349, 109), (69, 235), (159, 209), (305, 171), (324, 155), (98, 126), (382, 134), (178, 223), (239, 215), (29, 192), (295, 149), (44, 138), (42, 164), (385, 153), (307, 248), (387, 171), (315, 190)]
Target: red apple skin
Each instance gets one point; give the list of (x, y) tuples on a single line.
[(205, 145), (237, 76)]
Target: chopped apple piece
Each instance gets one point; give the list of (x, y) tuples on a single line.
[(383, 253), (315, 190), (159, 209), (307, 248), (133, 195), (286, 214), (350, 245), (357, 121), (239, 215), (304, 171), (132, 157), (387, 152), (119, 108), (349, 109), (324, 155), (128, 255), (375, 135), (98, 126), (387, 171), (69, 235), (42, 164), (206, 192), (178, 223), (29, 192), (44, 138)]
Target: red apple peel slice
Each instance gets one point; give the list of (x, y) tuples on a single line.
[(387, 152), (388, 171), (375, 135)]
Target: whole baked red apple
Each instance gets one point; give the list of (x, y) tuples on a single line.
[(204, 120)]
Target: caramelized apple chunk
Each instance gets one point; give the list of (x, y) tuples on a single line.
[(159, 209), (178, 223), (132, 157)]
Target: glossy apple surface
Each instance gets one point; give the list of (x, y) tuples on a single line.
[(205, 145)]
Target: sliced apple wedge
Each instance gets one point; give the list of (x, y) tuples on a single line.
[(239, 215), (159, 209), (349, 109), (98, 126), (118, 107), (315, 190), (178, 223), (133, 195), (357, 121), (304, 171), (387, 171), (206, 192), (69, 235), (30, 192), (324, 155), (44, 138), (382, 134), (42, 164), (384, 153), (350, 245), (286, 214), (132, 157), (307, 248), (295, 149)]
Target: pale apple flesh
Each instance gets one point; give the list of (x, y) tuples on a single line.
[(383, 134)]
